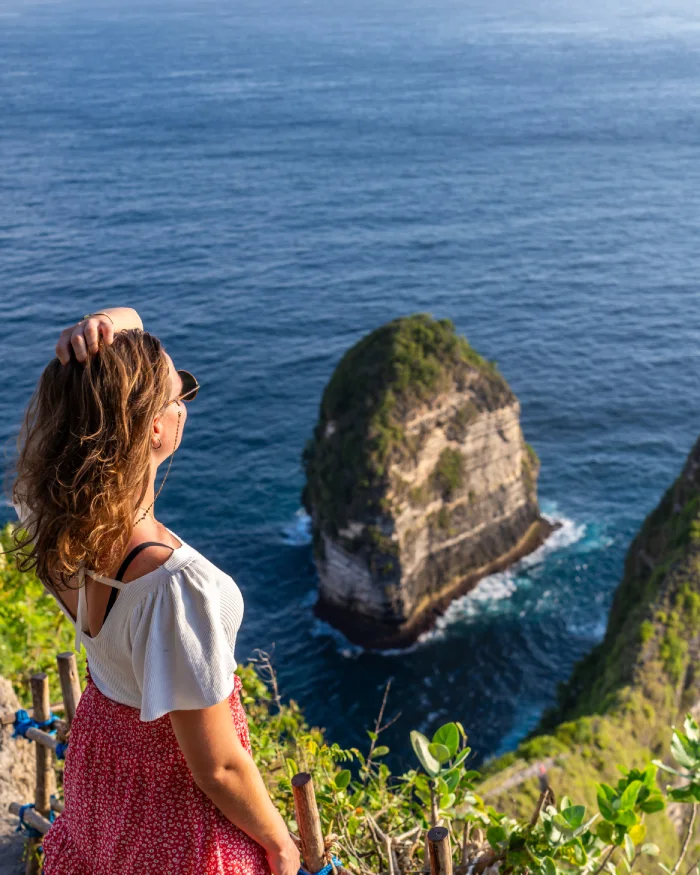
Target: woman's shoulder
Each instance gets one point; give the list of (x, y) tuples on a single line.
[(189, 576)]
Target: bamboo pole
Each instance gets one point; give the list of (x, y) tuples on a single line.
[(31, 818), (45, 778), (70, 683), (439, 851), (7, 718), (42, 738), (308, 821)]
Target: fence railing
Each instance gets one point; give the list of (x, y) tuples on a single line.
[(52, 739)]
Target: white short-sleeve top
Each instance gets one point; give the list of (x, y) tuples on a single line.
[(168, 642)]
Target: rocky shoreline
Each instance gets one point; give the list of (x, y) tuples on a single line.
[(366, 633)]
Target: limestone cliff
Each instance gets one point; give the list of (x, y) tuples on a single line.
[(419, 481), (622, 699)]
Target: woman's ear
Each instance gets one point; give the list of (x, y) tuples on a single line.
[(157, 433)]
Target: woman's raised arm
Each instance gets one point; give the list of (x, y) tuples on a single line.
[(85, 335)]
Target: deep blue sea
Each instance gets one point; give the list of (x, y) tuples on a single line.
[(268, 181)]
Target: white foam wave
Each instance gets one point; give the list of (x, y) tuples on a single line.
[(500, 586), (486, 595), (298, 532), (566, 535)]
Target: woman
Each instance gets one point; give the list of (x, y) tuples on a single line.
[(159, 776)]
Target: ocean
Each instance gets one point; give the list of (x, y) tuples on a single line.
[(268, 182)]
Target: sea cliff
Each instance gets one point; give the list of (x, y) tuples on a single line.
[(419, 481), (622, 699)]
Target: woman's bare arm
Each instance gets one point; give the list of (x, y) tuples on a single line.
[(84, 335), (224, 770)]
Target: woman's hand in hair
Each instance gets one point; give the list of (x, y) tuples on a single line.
[(85, 335)]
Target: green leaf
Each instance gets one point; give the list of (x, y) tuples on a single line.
[(682, 794), (495, 835), (604, 805), (607, 792), (604, 831), (342, 779), (448, 735), (626, 818), (649, 778), (580, 855), (451, 779), (574, 815), (629, 797), (440, 752), (550, 866), (619, 835), (653, 804), (691, 728), (372, 735), (380, 751), (421, 748), (461, 757), (650, 849), (682, 751), (447, 801), (629, 847)]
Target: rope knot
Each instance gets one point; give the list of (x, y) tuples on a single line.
[(23, 722)]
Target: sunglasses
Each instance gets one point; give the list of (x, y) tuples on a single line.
[(190, 387)]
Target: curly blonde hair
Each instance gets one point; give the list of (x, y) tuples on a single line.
[(84, 450)]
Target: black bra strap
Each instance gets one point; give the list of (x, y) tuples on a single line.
[(134, 553), (122, 570)]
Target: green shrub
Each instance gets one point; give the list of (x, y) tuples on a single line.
[(448, 474)]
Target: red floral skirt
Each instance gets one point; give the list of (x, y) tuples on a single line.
[(132, 806)]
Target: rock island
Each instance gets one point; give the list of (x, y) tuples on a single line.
[(419, 481)]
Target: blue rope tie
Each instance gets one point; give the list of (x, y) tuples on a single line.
[(23, 722), (25, 827), (327, 869), (61, 749)]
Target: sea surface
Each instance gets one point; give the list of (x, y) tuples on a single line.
[(268, 181)]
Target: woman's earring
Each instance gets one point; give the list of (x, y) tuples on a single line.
[(160, 444)]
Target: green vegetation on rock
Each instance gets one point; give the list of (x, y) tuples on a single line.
[(360, 431), (448, 474)]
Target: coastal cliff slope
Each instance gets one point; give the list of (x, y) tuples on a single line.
[(418, 481), (622, 699)]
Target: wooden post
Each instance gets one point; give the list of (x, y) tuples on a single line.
[(439, 851), (45, 778), (7, 718), (70, 683), (309, 822)]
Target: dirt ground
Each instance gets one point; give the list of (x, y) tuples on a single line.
[(17, 775), (11, 846)]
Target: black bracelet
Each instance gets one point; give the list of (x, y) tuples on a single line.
[(88, 315)]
